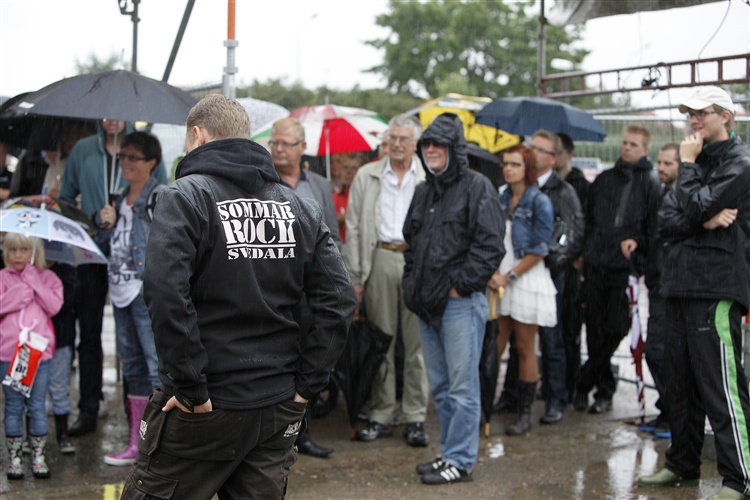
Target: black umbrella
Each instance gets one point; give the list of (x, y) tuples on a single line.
[(358, 365), (488, 370), (117, 95), (526, 115)]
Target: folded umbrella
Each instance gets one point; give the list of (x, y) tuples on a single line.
[(358, 365), (489, 366)]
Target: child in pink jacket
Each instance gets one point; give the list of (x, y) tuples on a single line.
[(29, 296)]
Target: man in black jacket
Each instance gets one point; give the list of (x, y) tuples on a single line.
[(230, 253), (667, 165), (572, 307), (454, 229), (706, 282), (566, 246), (621, 214)]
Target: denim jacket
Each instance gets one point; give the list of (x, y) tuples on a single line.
[(141, 225), (532, 220)]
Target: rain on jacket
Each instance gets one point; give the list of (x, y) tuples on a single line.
[(604, 232), (532, 221), (701, 263), (85, 173), (16, 313), (454, 228), (568, 214), (231, 252)]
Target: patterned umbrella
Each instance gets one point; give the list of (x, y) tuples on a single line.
[(331, 129), (636, 342), (65, 240)]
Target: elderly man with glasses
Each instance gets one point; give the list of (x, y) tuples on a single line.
[(374, 255)]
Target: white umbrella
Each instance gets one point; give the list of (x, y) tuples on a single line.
[(65, 240)]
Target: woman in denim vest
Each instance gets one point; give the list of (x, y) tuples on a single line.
[(127, 224), (529, 293)]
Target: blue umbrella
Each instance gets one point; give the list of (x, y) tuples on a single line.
[(526, 115)]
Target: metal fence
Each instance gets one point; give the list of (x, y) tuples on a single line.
[(663, 131)]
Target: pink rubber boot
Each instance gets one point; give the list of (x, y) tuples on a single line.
[(136, 405)]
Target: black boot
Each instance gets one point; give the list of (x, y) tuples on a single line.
[(526, 396), (61, 432)]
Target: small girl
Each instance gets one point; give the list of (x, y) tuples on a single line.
[(29, 296)]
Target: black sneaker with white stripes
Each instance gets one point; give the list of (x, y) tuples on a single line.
[(449, 474), (436, 465)]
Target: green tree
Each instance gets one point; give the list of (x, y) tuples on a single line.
[(295, 95), (92, 64), (488, 46)]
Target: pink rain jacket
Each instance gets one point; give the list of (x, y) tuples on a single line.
[(28, 299)]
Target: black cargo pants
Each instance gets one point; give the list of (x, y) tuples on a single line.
[(235, 453)]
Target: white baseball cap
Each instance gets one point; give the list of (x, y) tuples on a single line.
[(708, 96)]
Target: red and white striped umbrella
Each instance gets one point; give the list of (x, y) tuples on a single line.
[(331, 129)]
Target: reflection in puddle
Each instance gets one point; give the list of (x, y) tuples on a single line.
[(496, 449)]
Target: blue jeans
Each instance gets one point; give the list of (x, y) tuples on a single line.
[(135, 340), (554, 368), (451, 357), (59, 380), (15, 403)]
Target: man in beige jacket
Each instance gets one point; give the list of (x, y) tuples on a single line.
[(374, 255)]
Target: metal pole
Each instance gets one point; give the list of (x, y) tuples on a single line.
[(178, 39), (228, 87), (541, 63), (135, 35), (123, 4)]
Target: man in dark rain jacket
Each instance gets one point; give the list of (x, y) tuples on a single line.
[(454, 229), (621, 214), (705, 219), (231, 252)]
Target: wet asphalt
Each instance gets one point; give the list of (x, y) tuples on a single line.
[(583, 457)]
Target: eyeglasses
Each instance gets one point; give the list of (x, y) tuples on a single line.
[(535, 148), (285, 145), (401, 139), (130, 158), (700, 114), (504, 164), (427, 143)]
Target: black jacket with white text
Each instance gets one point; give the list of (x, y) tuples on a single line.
[(231, 252)]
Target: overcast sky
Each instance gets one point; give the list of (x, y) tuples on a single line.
[(41, 40)]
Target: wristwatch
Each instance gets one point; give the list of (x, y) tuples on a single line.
[(512, 277)]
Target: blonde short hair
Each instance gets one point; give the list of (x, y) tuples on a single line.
[(222, 117), (19, 239)]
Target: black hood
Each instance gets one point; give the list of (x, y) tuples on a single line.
[(447, 129), (244, 162)]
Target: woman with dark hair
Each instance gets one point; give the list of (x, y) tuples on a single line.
[(127, 222), (529, 293)]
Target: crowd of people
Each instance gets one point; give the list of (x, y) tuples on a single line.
[(416, 238)]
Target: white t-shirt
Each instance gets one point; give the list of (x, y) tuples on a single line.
[(124, 283)]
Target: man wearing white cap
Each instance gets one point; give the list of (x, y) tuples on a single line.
[(705, 219)]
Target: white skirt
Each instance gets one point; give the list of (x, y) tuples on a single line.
[(532, 298)]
